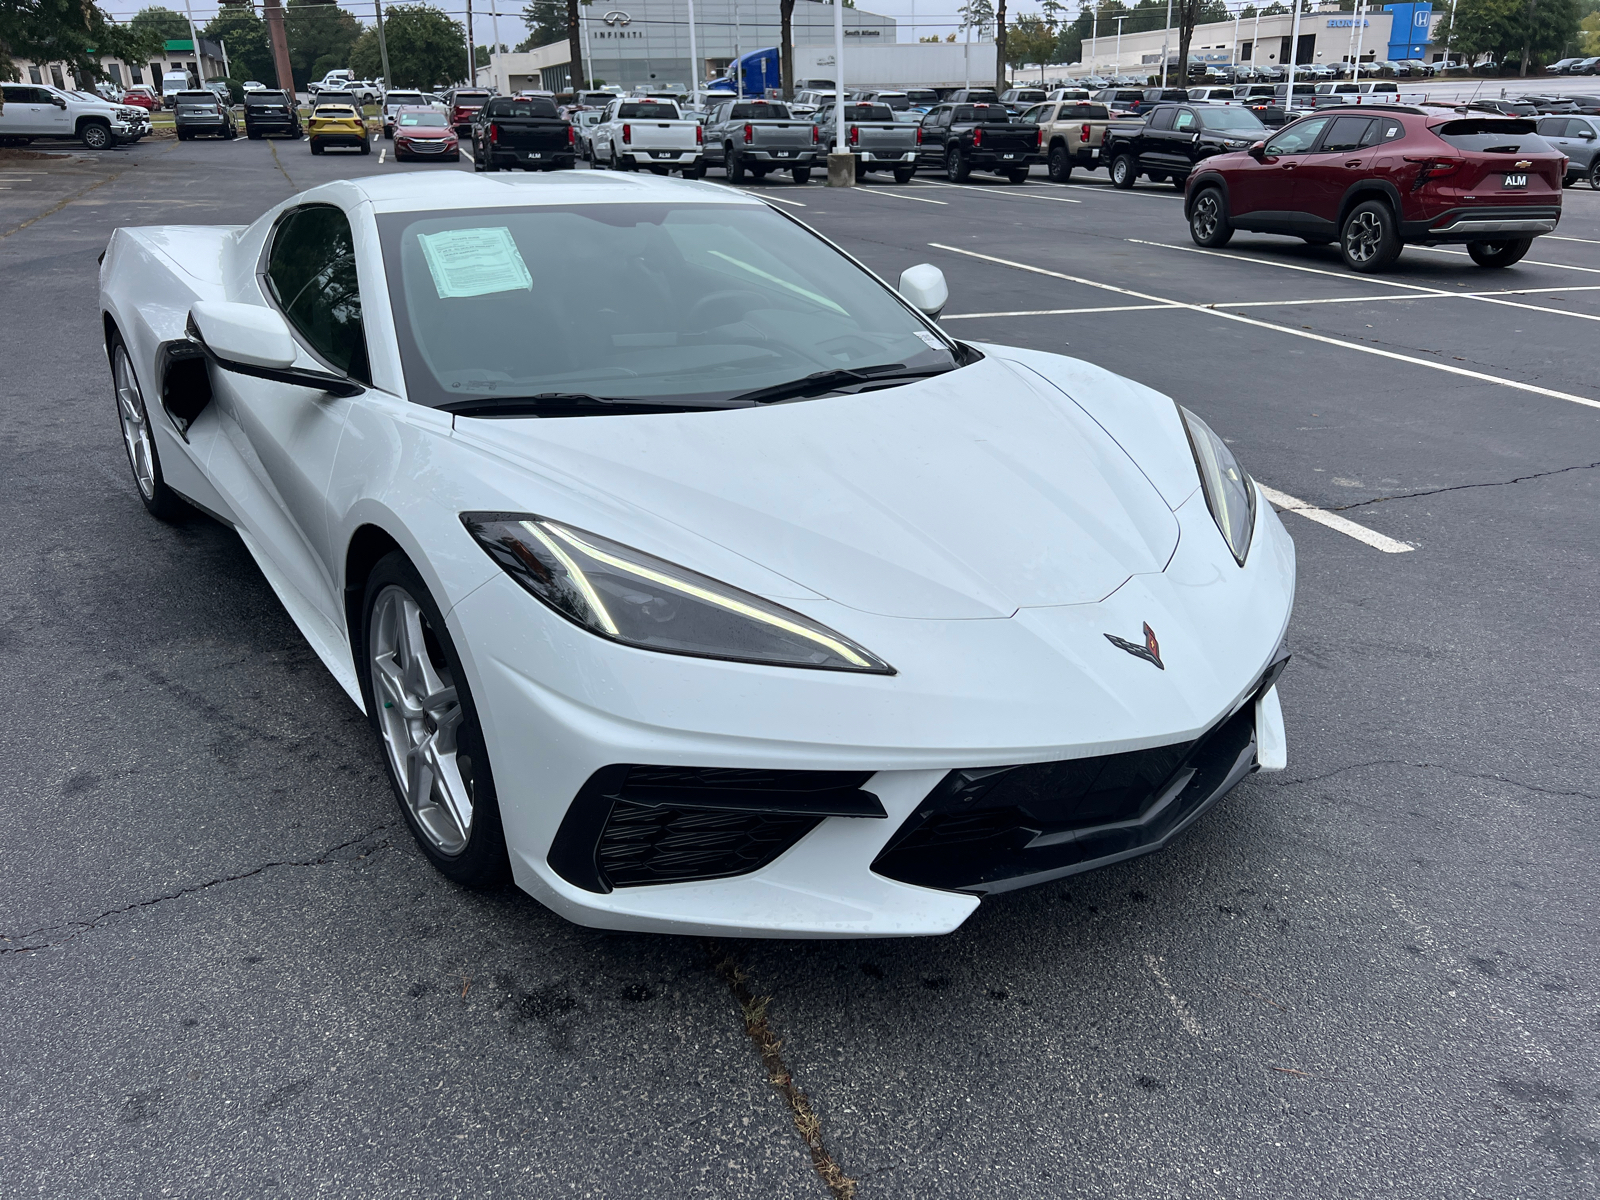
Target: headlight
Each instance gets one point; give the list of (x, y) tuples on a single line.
[(1230, 495), (635, 598)]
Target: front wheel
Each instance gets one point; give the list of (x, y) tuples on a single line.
[(422, 710), (1369, 240), (1124, 171), (1060, 165), (1594, 173), (95, 137), (139, 440), (1208, 220), (956, 167), (1499, 254)]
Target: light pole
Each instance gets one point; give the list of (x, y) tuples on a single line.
[(1094, 40), (1166, 35), (1233, 58), (841, 163), (1361, 30), (1118, 67), (1294, 54), (494, 15), (383, 46), (472, 51), (1255, 44), (694, 62)]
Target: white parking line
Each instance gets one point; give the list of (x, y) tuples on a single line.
[(1378, 541), (381, 153), (1108, 190), (468, 153), (1299, 333), (901, 196), (995, 191), (1529, 262), (1484, 297), (1058, 312), (1556, 237)]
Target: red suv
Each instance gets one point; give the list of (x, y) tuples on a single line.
[(1375, 178), (464, 105)]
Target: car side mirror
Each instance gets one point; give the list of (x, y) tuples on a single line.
[(58, 101), (251, 339), (1587, 135), (924, 288), (1257, 151)]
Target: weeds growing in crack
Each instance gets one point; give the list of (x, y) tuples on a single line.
[(806, 1122)]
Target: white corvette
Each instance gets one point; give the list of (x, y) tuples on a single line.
[(688, 572)]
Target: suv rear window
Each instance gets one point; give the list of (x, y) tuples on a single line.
[(533, 107), (1491, 136), (868, 112), (477, 98), (759, 112), (197, 97)]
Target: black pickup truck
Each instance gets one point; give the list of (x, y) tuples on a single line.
[(1173, 138), (961, 138), (509, 133)]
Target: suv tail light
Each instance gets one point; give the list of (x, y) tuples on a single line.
[(749, 134), (977, 137), (627, 134), (1083, 135), (855, 136), (1432, 167)]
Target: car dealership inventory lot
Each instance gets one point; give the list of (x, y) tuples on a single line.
[(228, 967)]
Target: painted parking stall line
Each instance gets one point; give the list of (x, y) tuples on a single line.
[(901, 196), (1332, 520), (1059, 312), (1000, 191), (1306, 334)]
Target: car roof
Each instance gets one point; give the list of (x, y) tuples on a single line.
[(450, 191)]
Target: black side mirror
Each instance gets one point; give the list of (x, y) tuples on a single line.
[(58, 101), (1257, 151)]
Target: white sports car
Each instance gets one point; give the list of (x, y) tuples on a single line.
[(689, 573)]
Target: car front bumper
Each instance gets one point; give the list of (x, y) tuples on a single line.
[(426, 147), (565, 714)]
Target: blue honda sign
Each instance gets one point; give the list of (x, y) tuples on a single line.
[(1409, 31)]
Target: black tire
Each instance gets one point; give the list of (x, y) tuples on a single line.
[(801, 174), (477, 159), (1499, 254), (95, 136), (862, 170), (1124, 171), (694, 172), (759, 173), (252, 134), (956, 167), (316, 147), (1158, 178), (482, 861), (1018, 175), (1594, 173), (733, 165), (1208, 220), (159, 500), (904, 174), (1179, 182), (653, 170), (1369, 238), (1060, 165), (366, 145)]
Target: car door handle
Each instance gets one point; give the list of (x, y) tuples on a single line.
[(1354, 162), (1289, 166)]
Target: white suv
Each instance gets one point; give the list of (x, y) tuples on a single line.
[(32, 111)]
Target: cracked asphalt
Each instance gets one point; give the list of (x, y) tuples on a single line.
[(226, 970)]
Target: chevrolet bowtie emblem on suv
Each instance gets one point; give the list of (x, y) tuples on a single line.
[(1150, 651), (617, 17)]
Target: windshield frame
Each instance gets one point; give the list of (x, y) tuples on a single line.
[(390, 227)]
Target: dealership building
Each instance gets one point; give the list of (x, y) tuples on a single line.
[(1330, 35), (645, 43)]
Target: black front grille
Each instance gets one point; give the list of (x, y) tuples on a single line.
[(632, 825), (998, 828)]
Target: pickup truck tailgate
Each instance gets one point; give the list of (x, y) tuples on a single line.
[(660, 135), (882, 140), (1007, 138), (528, 133), (780, 135)]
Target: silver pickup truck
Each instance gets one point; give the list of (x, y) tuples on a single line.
[(756, 136), (878, 141)]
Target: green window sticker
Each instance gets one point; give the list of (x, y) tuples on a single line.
[(475, 262)]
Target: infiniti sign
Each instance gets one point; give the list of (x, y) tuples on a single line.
[(617, 17)]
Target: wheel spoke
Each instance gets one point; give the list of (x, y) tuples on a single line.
[(391, 680)]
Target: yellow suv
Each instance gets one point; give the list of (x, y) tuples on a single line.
[(337, 125)]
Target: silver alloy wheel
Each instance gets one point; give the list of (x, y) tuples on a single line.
[(135, 425), (1206, 216), (1363, 236), (419, 719)]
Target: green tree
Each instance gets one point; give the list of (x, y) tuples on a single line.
[(1029, 40), (249, 49), (1589, 34), (976, 15), (366, 58), (1275, 9), (426, 48), (1523, 31), (546, 21), (160, 23), (321, 36), (1248, 12), (75, 32)]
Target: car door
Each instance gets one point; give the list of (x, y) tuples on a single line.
[(1261, 191), (1157, 139), (1583, 141), (275, 459), (1185, 137), (1342, 156), (930, 151)]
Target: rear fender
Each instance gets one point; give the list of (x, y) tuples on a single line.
[(1370, 189)]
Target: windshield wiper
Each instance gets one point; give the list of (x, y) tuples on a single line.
[(564, 404), (826, 381)]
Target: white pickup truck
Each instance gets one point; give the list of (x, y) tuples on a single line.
[(649, 132), (30, 111)]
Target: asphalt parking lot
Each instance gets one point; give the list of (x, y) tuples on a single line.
[(227, 970)]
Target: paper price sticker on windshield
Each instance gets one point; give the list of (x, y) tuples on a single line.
[(475, 262)]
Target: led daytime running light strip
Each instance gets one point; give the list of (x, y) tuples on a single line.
[(578, 577), (727, 602)]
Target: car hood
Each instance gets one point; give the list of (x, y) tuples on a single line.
[(965, 496)]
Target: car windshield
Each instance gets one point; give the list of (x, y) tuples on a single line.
[(423, 120), (335, 111), (195, 98), (1230, 118), (680, 303)]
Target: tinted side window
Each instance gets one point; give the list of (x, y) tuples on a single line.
[(1553, 127), (1346, 133), (1162, 118), (312, 274)]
